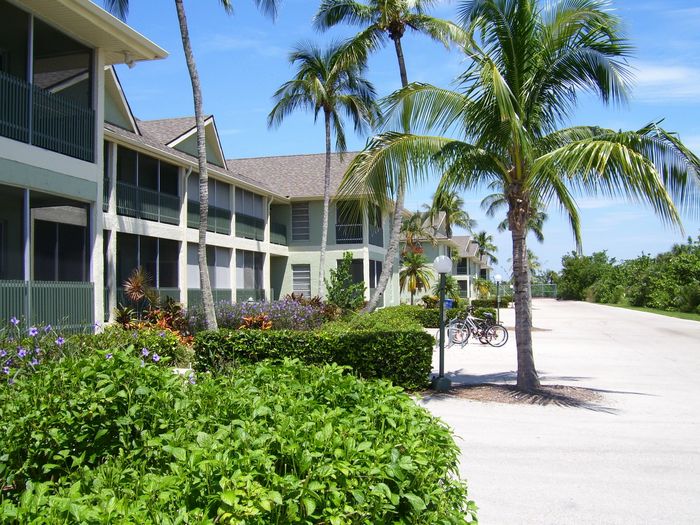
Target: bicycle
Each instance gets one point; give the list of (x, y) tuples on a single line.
[(487, 330)]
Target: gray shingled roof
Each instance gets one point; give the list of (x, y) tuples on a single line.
[(296, 176), (150, 141), (167, 130), (462, 242)]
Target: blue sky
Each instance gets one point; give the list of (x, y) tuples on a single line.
[(242, 59)]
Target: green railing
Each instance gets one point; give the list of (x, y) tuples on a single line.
[(246, 294), (47, 120), (250, 227), (278, 233), (348, 233), (543, 290), (105, 194), (151, 205), (194, 296), (376, 236), (218, 220), (66, 305)]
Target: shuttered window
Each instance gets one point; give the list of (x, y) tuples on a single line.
[(301, 279), (300, 221)]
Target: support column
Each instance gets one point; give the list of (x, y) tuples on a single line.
[(112, 174), (182, 273), (232, 276), (96, 219), (365, 269), (266, 276), (111, 271)]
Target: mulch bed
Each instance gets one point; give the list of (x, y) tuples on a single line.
[(558, 395)]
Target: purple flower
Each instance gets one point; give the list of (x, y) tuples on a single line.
[(156, 357), (144, 352), (191, 379), (33, 331), (47, 328), (134, 334), (34, 362), (60, 341), (21, 352), (3, 353), (6, 370), (162, 334), (14, 320), (108, 356), (37, 350)]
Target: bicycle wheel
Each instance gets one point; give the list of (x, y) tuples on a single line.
[(458, 334), (497, 335)]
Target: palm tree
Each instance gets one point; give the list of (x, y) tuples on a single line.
[(452, 205), (121, 9), (383, 20), (485, 246), (530, 62), (415, 274), (326, 82), (415, 228), (495, 202)]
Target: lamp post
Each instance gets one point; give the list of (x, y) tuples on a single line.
[(498, 297), (442, 265)]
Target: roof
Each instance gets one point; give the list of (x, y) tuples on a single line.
[(95, 27), (167, 130), (462, 243), (296, 176), (151, 142)]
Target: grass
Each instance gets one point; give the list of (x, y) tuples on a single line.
[(680, 315)]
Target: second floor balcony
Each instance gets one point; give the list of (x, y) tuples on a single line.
[(44, 119), (142, 203), (250, 227), (278, 233), (348, 233), (218, 220)]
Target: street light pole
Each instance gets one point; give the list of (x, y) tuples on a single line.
[(498, 297), (443, 265)]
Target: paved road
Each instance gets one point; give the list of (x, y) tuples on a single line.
[(635, 459)]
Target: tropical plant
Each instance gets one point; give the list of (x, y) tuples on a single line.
[(414, 229), (325, 81), (342, 292), (383, 20), (449, 203), (121, 9), (529, 63), (415, 274), (451, 288), (483, 287), (496, 202), (485, 247)]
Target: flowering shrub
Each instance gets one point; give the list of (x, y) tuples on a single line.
[(287, 314), (23, 348)]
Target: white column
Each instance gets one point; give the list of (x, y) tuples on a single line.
[(96, 218), (111, 271), (365, 268), (112, 174), (266, 276), (232, 269)]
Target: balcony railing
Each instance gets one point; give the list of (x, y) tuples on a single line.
[(250, 227), (462, 269), (66, 305), (47, 120), (376, 236), (218, 219), (143, 203), (348, 233), (278, 233), (194, 296), (246, 294), (105, 194)]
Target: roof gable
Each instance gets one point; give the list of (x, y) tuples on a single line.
[(117, 109)]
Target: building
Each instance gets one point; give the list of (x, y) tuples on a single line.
[(89, 192)]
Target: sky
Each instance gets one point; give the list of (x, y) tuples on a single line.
[(243, 58)]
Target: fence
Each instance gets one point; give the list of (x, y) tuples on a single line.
[(544, 290), (66, 305)]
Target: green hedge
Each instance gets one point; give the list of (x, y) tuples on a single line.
[(107, 440), (491, 303), (408, 315), (401, 356)]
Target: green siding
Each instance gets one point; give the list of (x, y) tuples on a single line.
[(24, 175), (114, 113)]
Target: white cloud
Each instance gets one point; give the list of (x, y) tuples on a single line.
[(666, 83), (220, 43)]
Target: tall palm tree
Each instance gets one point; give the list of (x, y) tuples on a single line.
[(326, 82), (452, 205), (485, 246), (496, 202), (383, 20), (502, 129), (416, 228), (121, 9), (415, 274)]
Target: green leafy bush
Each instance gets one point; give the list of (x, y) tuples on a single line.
[(492, 303), (340, 289), (98, 440), (401, 356), (412, 315)]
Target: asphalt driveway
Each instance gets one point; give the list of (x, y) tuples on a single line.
[(632, 458)]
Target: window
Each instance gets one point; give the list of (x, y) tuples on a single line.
[(218, 263), (347, 213), (375, 271), (158, 257), (249, 269), (301, 279), (300, 221), (59, 251), (356, 270), (248, 203)]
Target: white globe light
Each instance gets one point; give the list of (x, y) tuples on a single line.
[(498, 277), (442, 264)]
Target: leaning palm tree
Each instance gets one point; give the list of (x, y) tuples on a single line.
[(415, 274), (384, 20), (496, 202), (416, 228), (451, 205), (121, 8), (326, 82), (485, 247), (502, 129)]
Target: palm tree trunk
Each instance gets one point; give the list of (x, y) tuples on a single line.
[(326, 205), (528, 381), (204, 282), (393, 247)]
